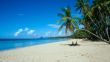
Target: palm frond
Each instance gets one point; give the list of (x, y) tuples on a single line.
[(66, 29), (75, 24), (61, 15), (63, 19), (71, 27), (61, 26)]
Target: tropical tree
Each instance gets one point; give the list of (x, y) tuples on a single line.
[(101, 11), (96, 18), (67, 20)]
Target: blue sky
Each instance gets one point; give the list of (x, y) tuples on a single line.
[(31, 18)]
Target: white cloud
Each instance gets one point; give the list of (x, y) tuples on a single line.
[(31, 32), (53, 25), (18, 32), (27, 31)]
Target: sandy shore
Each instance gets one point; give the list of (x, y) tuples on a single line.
[(87, 51)]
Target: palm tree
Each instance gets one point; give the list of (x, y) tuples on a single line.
[(67, 20), (101, 10), (84, 7), (96, 18)]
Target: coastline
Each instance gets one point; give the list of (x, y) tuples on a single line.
[(9, 44), (87, 51)]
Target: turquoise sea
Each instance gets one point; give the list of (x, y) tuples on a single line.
[(6, 44)]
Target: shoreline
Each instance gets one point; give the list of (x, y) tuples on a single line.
[(25, 43), (87, 51)]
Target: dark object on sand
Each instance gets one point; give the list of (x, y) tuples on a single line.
[(74, 44)]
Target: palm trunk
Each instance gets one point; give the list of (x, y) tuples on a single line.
[(93, 21), (106, 29), (96, 35), (107, 33)]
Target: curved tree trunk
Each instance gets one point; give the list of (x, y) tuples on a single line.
[(96, 35)]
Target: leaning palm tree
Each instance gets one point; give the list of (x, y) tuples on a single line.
[(94, 17), (101, 11)]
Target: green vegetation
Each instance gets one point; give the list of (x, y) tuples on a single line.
[(67, 20), (96, 20)]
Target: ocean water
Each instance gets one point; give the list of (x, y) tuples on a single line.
[(18, 43)]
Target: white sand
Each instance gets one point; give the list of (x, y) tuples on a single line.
[(59, 52)]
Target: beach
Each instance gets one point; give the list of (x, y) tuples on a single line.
[(86, 51)]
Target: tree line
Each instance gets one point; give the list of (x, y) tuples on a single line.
[(96, 20)]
